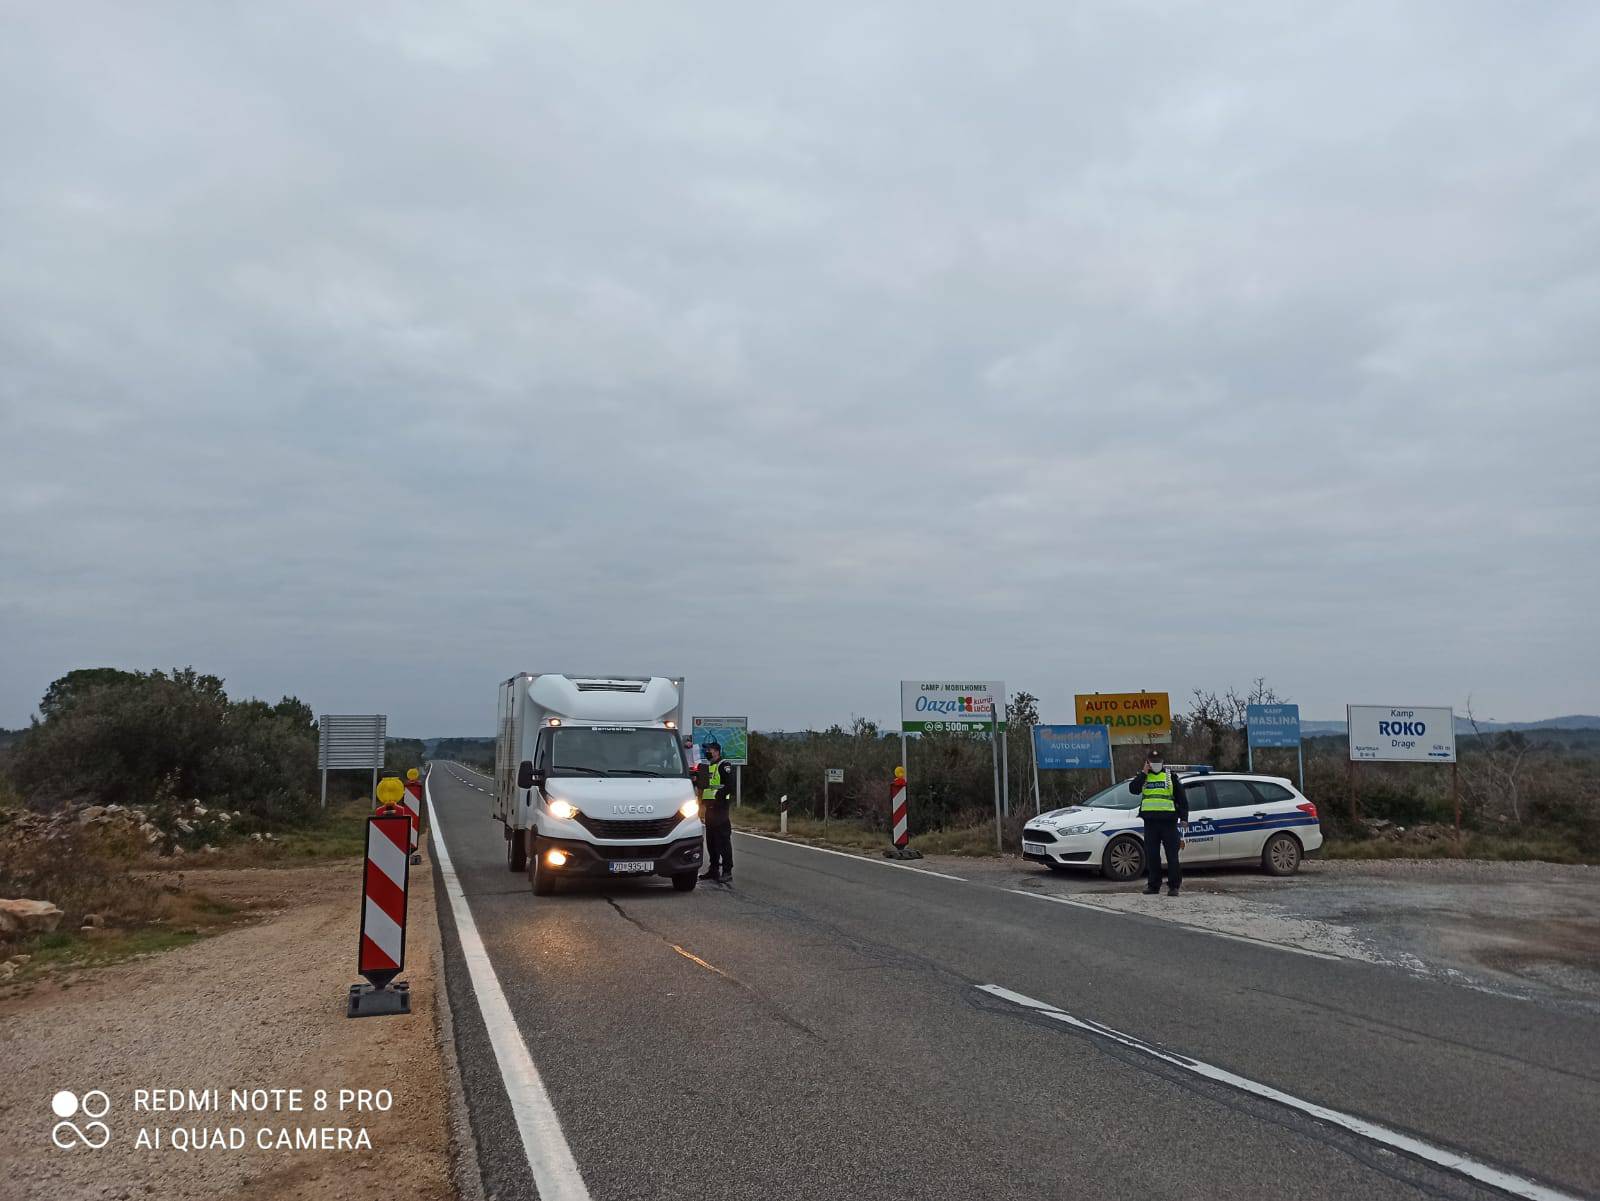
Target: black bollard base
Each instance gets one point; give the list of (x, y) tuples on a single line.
[(368, 1002), (902, 853)]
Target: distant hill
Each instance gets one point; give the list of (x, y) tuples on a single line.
[(465, 750), (1573, 721)]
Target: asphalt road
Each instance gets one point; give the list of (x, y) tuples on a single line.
[(821, 1028)]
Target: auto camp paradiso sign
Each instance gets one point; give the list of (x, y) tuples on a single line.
[(1129, 717)]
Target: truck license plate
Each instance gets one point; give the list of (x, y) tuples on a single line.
[(621, 866)]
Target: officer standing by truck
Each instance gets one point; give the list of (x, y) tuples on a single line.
[(1162, 805), (716, 792)]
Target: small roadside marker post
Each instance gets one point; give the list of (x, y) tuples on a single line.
[(783, 814), (385, 882), (899, 819), (832, 775)]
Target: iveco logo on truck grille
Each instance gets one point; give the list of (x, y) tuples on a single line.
[(633, 808)]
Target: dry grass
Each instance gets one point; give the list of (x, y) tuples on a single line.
[(142, 903), (339, 833)]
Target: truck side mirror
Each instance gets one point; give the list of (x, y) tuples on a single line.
[(525, 774)]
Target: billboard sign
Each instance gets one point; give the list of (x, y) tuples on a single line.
[(1131, 718), (1402, 733), (1273, 725), (951, 705), (1061, 748), (732, 734), (836, 775)]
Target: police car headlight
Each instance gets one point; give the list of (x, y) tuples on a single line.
[(1086, 828), (690, 808), (562, 810)]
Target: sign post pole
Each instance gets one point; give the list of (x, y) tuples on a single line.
[(994, 754), (824, 802), (1455, 797), (1033, 743), (1005, 775), (905, 764), (1300, 758), (738, 785)]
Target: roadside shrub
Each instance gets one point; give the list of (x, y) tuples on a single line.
[(150, 738)]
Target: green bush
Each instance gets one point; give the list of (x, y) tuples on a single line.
[(157, 739)]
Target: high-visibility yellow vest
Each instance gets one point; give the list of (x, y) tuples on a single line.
[(1157, 794), (713, 782)]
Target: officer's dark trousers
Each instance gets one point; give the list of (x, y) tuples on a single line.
[(1161, 833), (719, 850)]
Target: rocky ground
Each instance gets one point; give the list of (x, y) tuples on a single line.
[(162, 835), (258, 1007)]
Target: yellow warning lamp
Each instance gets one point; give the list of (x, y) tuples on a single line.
[(899, 773), (412, 773), (390, 790)]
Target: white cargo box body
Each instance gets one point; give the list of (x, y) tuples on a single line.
[(590, 775)]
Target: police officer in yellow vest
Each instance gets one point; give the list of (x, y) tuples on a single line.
[(1162, 805), (716, 792)]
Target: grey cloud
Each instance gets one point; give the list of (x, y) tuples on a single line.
[(373, 355)]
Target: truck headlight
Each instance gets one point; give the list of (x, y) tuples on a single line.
[(1086, 828), (562, 810), (690, 808)]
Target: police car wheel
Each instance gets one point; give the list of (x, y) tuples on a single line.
[(1281, 856), (1123, 860)]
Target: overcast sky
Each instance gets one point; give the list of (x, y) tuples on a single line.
[(372, 353)]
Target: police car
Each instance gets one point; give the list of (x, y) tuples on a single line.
[(1233, 818)]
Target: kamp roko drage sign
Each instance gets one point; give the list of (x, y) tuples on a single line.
[(1404, 734), (951, 705), (1129, 717)]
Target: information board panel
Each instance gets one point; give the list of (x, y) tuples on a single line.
[(1402, 733)]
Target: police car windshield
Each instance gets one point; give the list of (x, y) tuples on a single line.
[(1115, 797), (614, 751)]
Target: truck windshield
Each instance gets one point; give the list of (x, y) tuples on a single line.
[(614, 751)]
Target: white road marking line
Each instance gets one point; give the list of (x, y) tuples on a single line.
[(1244, 938), (905, 867), (555, 1171), (1453, 1161)]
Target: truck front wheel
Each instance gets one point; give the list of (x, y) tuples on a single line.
[(541, 877), (685, 881), (516, 850)]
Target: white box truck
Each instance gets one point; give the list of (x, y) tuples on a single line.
[(590, 779)]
